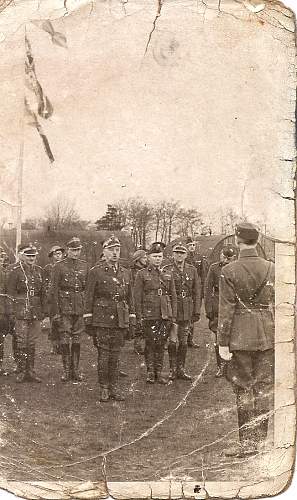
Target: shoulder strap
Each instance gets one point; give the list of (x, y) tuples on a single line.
[(262, 285)]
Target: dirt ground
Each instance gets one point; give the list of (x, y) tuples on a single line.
[(55, 431)]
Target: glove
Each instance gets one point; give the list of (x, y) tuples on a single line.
[(195, 318), (225, 353)]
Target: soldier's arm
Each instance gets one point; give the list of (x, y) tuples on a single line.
[(196, 294), (227, 303), (131, 302), (89, 294), (208, 288), (54, 290), (138, 296), (173, 297)]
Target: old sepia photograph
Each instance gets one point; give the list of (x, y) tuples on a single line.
[(147, 248)]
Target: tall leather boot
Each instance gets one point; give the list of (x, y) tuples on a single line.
[(3, 372), (15, 352), (66, 362), (191, 342), (31, 375), (172, 352), (22, 366), (75, 355), (158, 363), (113, 375), (181, 361), (149, 361)]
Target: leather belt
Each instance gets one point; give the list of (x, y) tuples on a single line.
[(253, 307)]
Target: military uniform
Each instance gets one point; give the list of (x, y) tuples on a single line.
[(109, 307), (135, 267), (25, 286), (156, 309), (196, 260), (211, 301), (246, 327), (67, 305), (188, 288)]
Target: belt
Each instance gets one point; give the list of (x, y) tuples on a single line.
[(159, 292), (184, 294), (253, 307)]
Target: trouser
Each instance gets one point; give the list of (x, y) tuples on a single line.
[(109, 343), (177, 350), (54, 333), (252, 376), (4, 330), (155, 333), (26, 334), (71, 328)]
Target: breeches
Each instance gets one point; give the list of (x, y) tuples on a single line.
[(27, 333), (71, 328), (109, 343)]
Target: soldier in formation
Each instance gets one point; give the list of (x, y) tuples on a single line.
[(26, 310), (139, 261), (156, 309), (109, 312), (55, 254), (188, 291), (246, 338), (211, 298), (67, 306), (195, 259)]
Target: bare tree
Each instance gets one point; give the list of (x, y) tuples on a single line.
[(61, 214), (188, 222)]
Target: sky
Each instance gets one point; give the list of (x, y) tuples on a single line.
[(203, 117)]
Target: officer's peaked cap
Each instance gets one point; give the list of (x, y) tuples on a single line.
[(157, 247), (55, 248), (111, 241), (247, 231), (189, 240), (179, 247), (28, 250), (74, 243)]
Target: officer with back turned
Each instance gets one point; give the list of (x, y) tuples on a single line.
[(246, 338)]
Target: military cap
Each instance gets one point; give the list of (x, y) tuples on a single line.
[(179, 247), (246, 231), (190, 240), (157, 247), (139, 254), (111, 241), (74, 243), (27, 250), (55, 248), (228, 251)]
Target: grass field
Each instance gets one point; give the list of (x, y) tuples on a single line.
[(54, 431)]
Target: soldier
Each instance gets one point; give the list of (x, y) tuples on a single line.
[(156, 309), (246, 338), (67, 306), (211, 298), (25, 286), (109, 311), (56, 254), (4, 319), (139, 261), (195, 259), (188, 288)]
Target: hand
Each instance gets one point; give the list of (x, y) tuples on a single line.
[(195, 318), (57, 317), (225, 353)]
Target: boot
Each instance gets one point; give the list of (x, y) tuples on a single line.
[(220, 363), (22, 362), (115, 393), (3, 373), (31, 375), (191, 342), (75, 355), (159, 379), (172, 360), (181, 361), (66, 362), (103, 394), (15, 353), (150, 379)]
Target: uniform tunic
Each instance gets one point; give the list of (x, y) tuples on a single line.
[(67, 297), (211, 294)]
